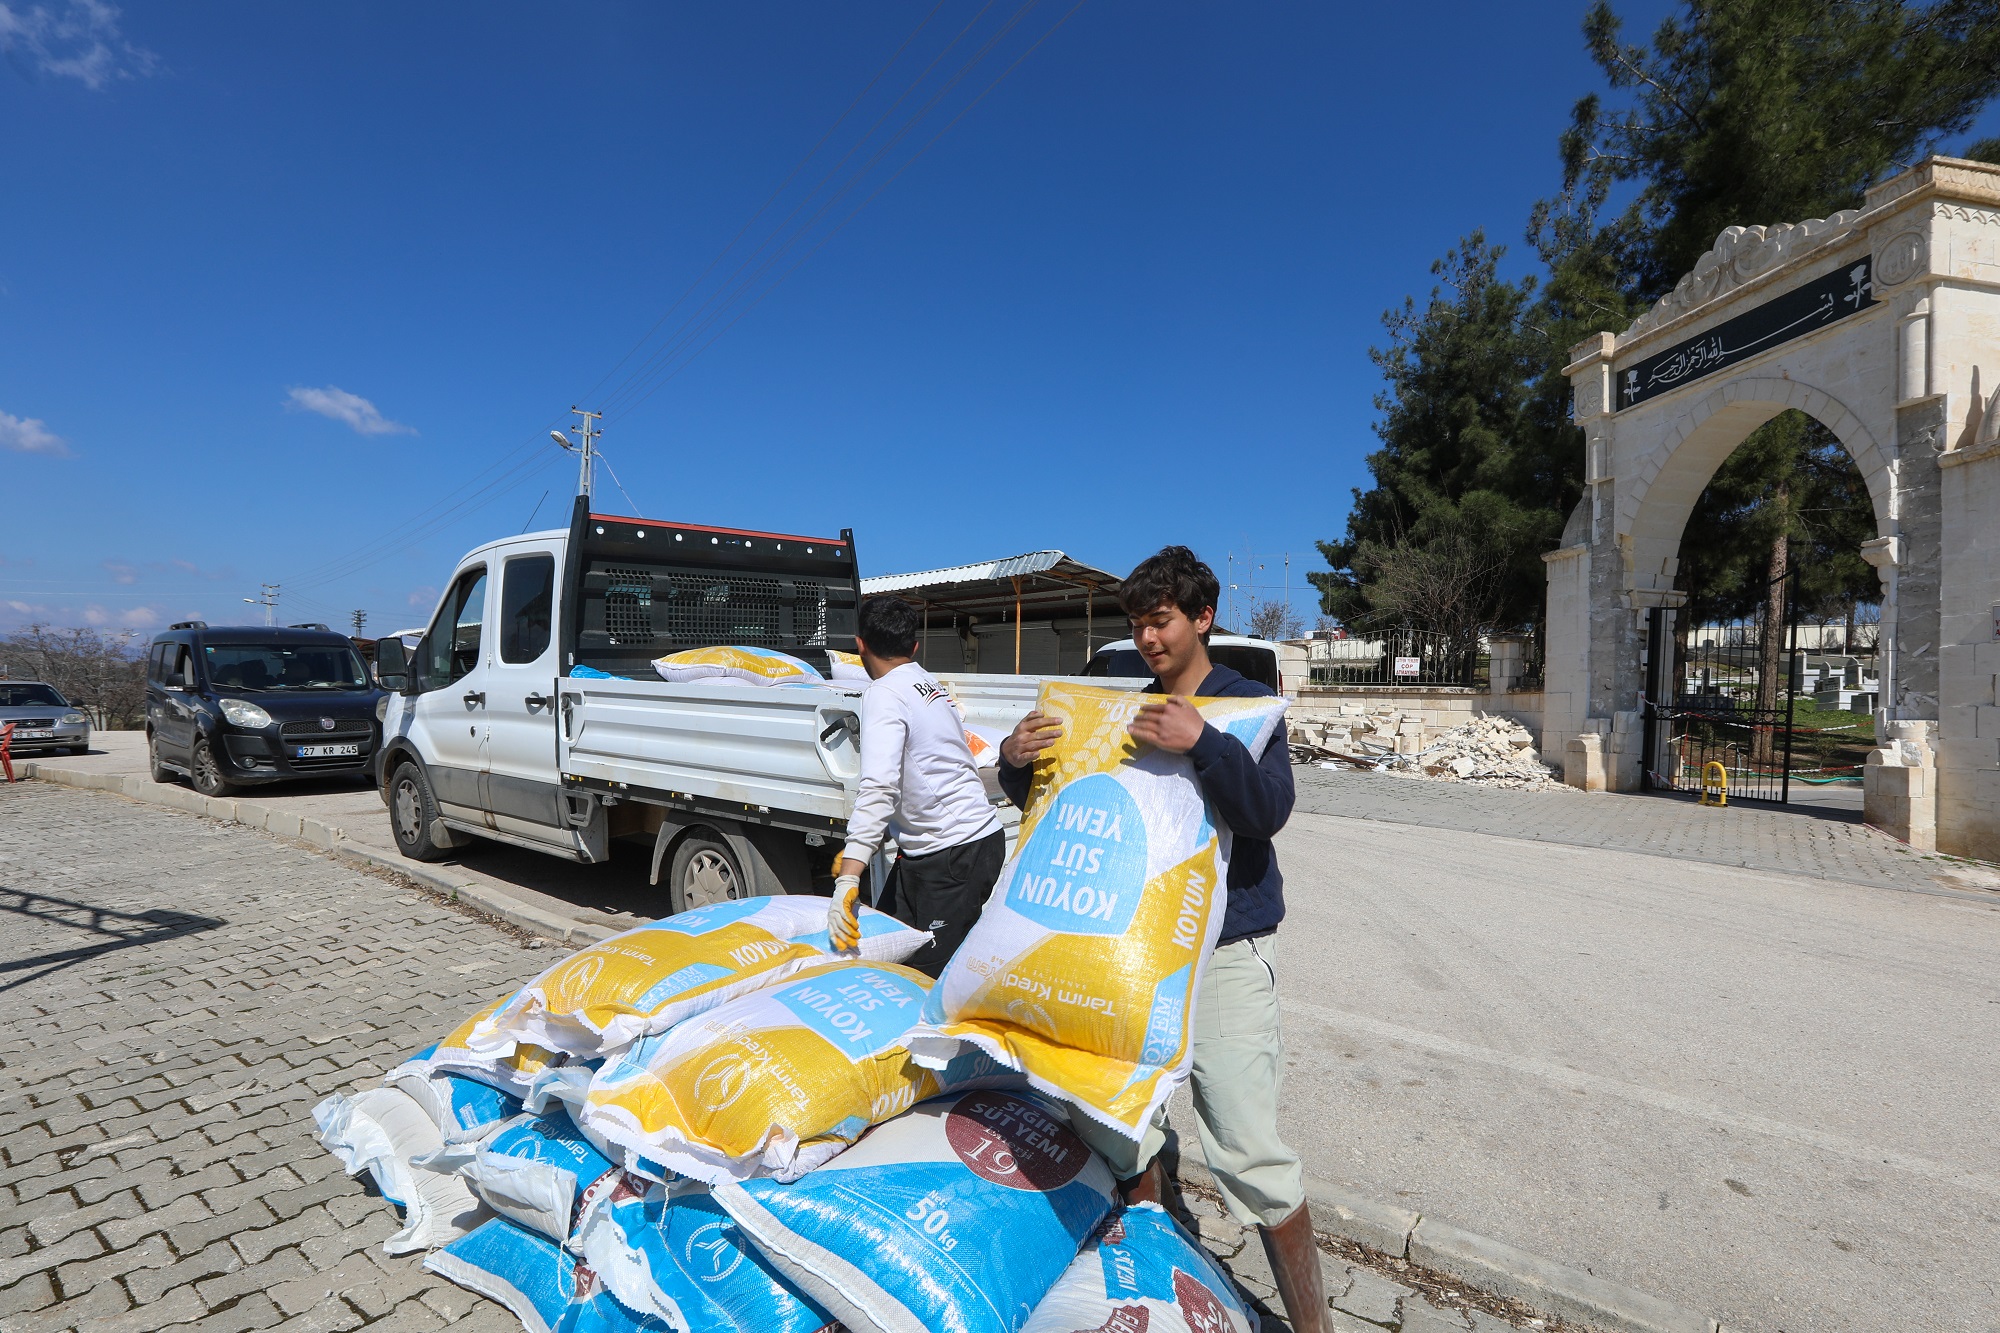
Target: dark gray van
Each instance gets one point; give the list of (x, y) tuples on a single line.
[(242, 705)]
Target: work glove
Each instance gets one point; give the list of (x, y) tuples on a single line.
[(843, 914)]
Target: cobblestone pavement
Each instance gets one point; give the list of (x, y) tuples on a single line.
[(1795, 840), (175, 995)]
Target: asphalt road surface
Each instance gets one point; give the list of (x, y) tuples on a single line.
[(1770, 1097)]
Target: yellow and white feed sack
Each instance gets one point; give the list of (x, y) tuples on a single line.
[(1083, 968), (649, 979), (756, 666), (773, 1083)]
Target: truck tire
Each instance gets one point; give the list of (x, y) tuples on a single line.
[(412, 812), (705, 871)]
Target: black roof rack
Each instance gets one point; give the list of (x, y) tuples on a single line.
[(189, 624)]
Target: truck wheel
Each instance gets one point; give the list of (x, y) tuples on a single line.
[(704, 872), (412, 809), (208, 779), (161, 773)]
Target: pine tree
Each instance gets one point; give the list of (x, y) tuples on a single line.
[(1739, 111)]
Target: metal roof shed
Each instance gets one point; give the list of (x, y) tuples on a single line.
[(1044, 602)]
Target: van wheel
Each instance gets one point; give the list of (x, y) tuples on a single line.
[(161, 773), (208, 779), (705, 871), (412, 810)]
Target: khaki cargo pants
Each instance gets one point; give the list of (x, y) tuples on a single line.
[(1239, 1068)]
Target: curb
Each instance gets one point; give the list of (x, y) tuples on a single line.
[(1541, 1284), (486, 898)]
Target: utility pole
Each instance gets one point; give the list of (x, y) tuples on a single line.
[(268, 599), (587, 433), (360, 619)]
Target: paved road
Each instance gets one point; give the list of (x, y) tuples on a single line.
[(1741, 1059), (1770, 1097), (175, 996)]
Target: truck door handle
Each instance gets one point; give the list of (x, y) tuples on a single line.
[(475, 697), (535, 701)]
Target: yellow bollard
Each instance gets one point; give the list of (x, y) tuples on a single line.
[(1716, 776)]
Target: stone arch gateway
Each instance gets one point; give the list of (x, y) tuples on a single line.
[(1883, 323)]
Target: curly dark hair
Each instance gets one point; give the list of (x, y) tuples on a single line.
[(1172, 574)]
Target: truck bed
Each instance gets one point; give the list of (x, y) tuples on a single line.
[(785, 756)]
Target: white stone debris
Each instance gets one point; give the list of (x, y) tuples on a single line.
[(1488, 751), (1491, 751)]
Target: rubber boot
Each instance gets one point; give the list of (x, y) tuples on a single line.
[(1294, 1256), (1149, 1186)]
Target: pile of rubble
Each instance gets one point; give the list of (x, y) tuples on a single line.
[(1490, 751), (1359, 734)]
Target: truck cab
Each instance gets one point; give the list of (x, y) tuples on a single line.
[(529, 711)]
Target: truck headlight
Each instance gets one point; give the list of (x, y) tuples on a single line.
[(242, 713), (74, 719)]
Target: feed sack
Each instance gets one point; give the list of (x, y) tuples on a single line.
[(758, 666), (513, 1072), (534, 1171), (672, 1252), (772, 1083), (1083, 968), (847, 666), (649, 979), (529, 1274), (956, 1217), (1142, 1274), (382, 1131)]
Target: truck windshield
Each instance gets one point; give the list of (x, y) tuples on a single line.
[(30, 696), (312, 666)]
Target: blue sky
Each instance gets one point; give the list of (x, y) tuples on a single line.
[(294, 293)]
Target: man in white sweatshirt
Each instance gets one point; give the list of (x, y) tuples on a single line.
[(919, 781)]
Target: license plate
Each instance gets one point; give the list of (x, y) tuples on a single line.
[(38, 734), (325, 751)]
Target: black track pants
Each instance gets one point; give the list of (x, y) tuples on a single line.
[(943, 893)]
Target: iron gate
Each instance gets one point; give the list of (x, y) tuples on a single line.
[(1722, 693)]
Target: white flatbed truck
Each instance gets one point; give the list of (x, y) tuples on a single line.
[(530, 713)]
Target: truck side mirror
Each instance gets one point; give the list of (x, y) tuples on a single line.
[(392, 665)]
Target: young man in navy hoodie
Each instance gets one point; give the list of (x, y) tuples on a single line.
[(1239, 1057)]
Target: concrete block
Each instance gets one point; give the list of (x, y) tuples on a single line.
[(1987, 723), (318, 833), (1547, 1285), (1967, 752), (1366, 1221), (1903, 783), (1985, 656), (1583, 762), (281, 822)]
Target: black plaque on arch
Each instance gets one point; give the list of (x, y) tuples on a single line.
[(1845, 291)]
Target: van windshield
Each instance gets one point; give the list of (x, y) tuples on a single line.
[(259, 667)]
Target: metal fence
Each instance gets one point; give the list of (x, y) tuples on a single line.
[(1397, 658)]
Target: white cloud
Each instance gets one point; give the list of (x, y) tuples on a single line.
[(121, 572), (424, 598), (351, 408), (79, 40), (30, 435)]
